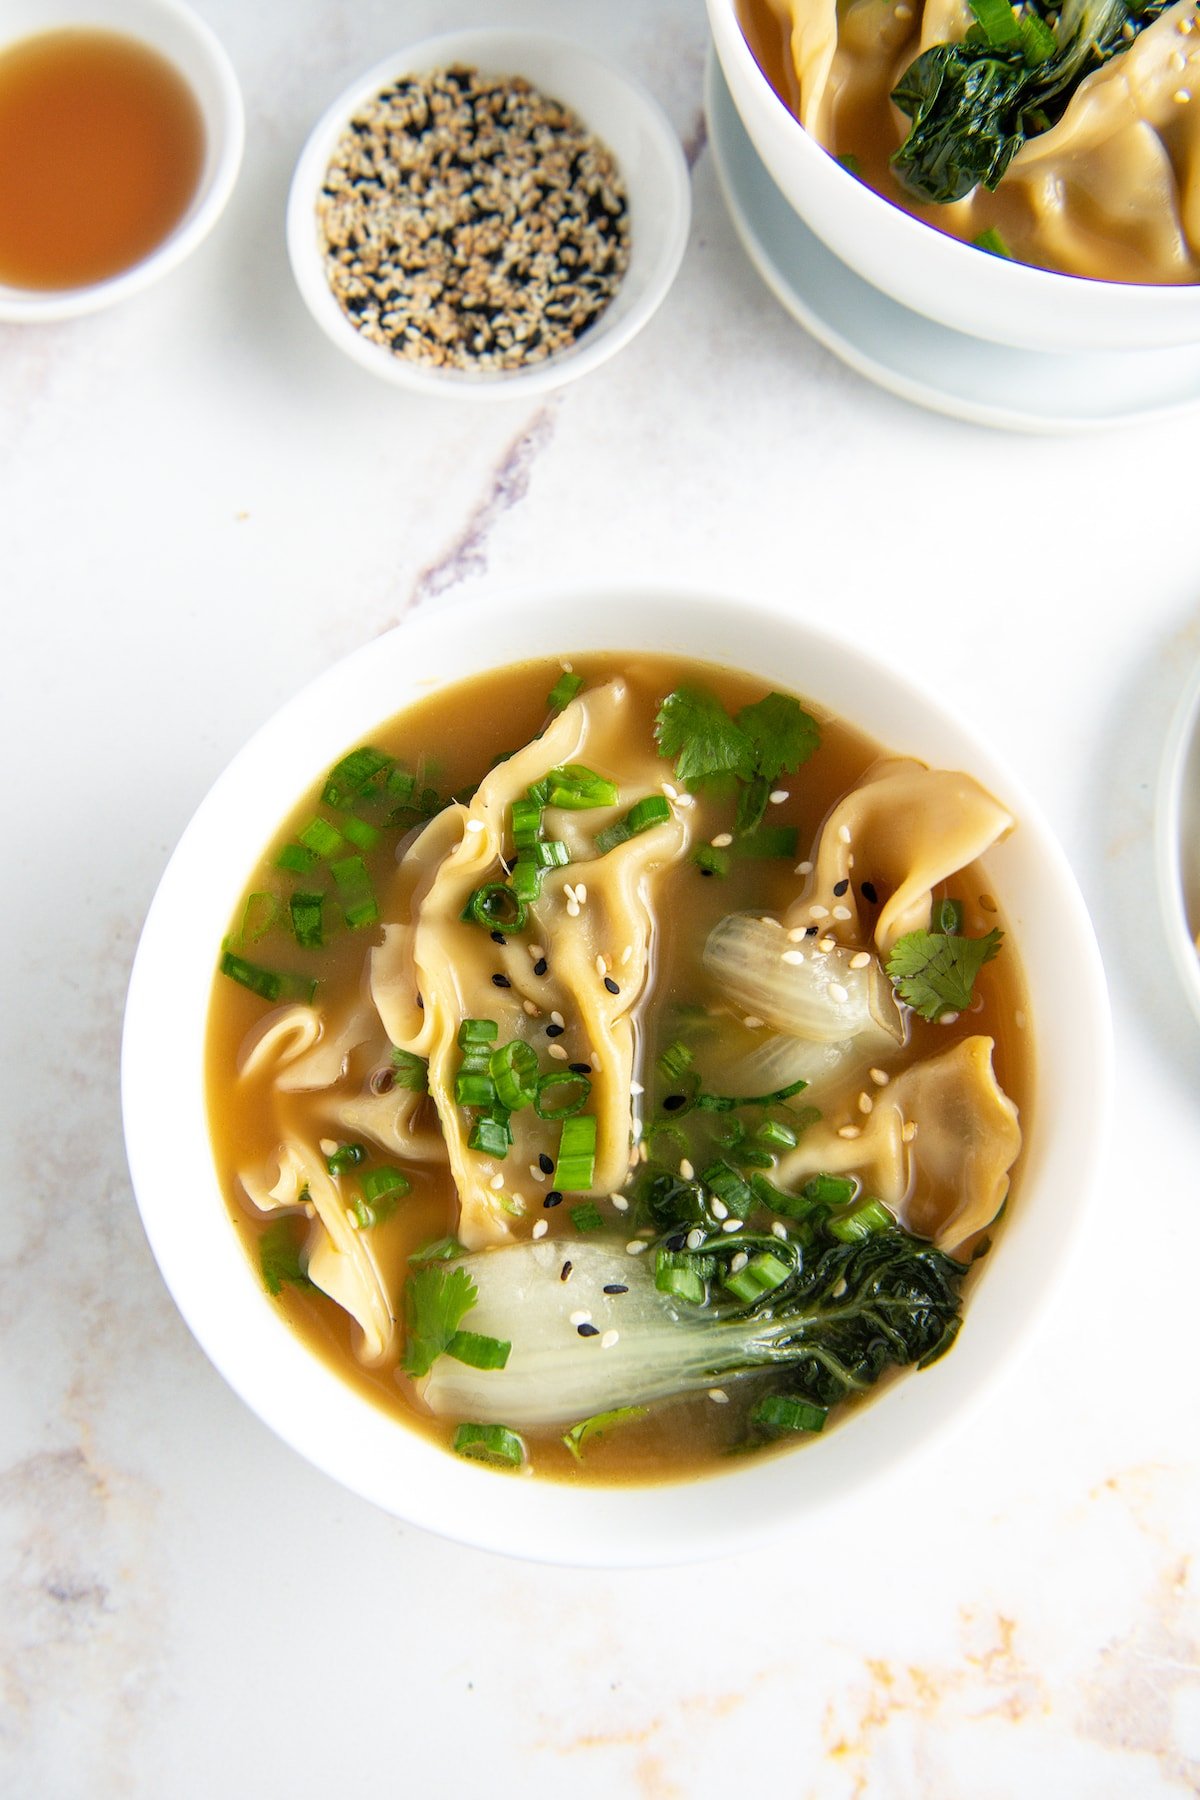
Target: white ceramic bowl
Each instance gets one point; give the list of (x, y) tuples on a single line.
[(1177, 838), (221, 1296), (176, 33), (612, 106), (984, 296)]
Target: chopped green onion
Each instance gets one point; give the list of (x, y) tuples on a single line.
[(853, 1227), (948, 917), (725, 1182), (443, 1249), (829, 1190), (653, 810), (400, 785), (683, 1274), (999, 22), (757, 1277), (784, 1412), (297, 858), (750, 1158), (357, 895), (306, 919), (597, 1425), (258, 916), (768, 841), (381, 1189), (549, 853), (775, 1135), (564, 1106), (346, 1156), (322, 838), (1038, 42), (851, 164), (513, 1068), (526, 823), (479, 1352), (491, 1135), (563, 691), (526, 880), (268, 984), (474, 1087), (991, 241), (576, 1153), (279, 1255), (490, 1443), (352, 776), (578, 789), (358, 832), (496, 907), (410, 1071), (675, 1061), (473, 1033), (711, 861), (586, 1216)]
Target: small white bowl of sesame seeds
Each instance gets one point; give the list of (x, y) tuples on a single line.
[(487, 215)]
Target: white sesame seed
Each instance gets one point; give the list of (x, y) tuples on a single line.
[(535, 1173), (672, 793), (569, 891), (780, 1229), (718, 1396), (1181, 96), (328, 1146), (752, 1022), (948, 1018), (601, 965), (686, 800), (719, 1209), (842, 912), (496, 1183), (792, 956), (620, 1202), (556, 1018), (865, 1103), (739, 1262), (352, 1221), (797, 934), (769, 919), (540, 1229), (849, 1131), (804, 868), (581, 1317), (558, 1053), (722, 840), (909, 1131), (860, 959), (634, 1248), (686, 1170), (474, 824), (695, 1238), (635, 1088), (581, 892), (778, 796), (879, 1076), (838, 993), (536, 952), (530, 1008), (844, 830), (636, 1130), (731, 1225), (1178, 61), (826, 944), (572, 909), (609, 1339), (626, 953), (816, 911)]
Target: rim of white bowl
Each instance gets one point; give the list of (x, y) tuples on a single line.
[(210, 1276), (1177, 832), (950, 261), (200, 58), (655, 254)]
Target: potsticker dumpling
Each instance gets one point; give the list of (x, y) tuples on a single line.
[(936, 1148), (591, 928), (906, 828)]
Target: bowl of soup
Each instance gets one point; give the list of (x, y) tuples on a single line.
[(635, 1071), (1025, 188)]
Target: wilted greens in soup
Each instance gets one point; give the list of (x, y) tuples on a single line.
[(613, 1067)]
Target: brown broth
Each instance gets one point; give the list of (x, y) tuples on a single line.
[(466, 728), (101, 147)]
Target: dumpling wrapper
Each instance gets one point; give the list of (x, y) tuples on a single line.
[(950, 1180), (908, 828), (451, 963)]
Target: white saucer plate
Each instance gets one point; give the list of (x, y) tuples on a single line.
[(948, 371)]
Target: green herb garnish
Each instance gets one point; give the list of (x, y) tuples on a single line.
[(436, 1301), (934, 972), (279, 1258), (582, 1434)]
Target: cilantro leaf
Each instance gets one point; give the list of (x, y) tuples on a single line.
[(694, 728), (597, 1425), (935, 973), (436, 1300), (279, 1257), (783, 734)]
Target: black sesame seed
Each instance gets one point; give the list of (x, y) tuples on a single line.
[(673, 1102), (498, 937), (868, 893), (501, 981), (553, 1031), (678, 1242), (586, 1330), (564, 1271), (553, 1198), (839, 887), (580, 1068), (611, 985), (812, 931), (544, 1163), (615, 1287), (540, 966)]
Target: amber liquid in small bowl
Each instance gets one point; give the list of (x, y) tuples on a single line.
[(101, 149)]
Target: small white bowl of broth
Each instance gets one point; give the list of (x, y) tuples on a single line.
[(1046, 207), (487, 215), (631, 1084), (121, 132)]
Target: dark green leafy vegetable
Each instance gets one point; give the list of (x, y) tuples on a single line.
[(279, 1257), (934, 972)]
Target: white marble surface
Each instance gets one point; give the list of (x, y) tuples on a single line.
[(201, 505)]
